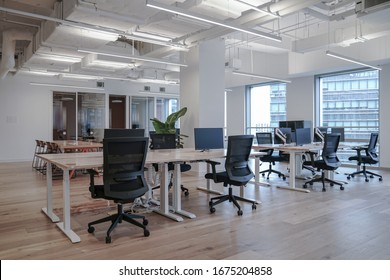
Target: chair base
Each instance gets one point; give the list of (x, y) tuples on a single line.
[(118, 218), (323, 179), (270, 170), (231, 198), (364, 172)]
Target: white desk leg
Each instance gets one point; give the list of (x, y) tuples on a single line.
[(65, 226), (257, 175), (177, 193), (291, 185), (243, 195), (164, 190), (151, 182), (49, 196), (208, 184)]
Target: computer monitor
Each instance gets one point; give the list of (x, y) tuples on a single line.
[(303, 136), (208, 138), (162, 141), (287, 132), (123, 132), (339, 130)]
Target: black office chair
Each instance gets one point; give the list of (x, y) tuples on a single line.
[(237, 171), (328, 161), (167, 141), (270, 157), (123, 180), (370, 157)]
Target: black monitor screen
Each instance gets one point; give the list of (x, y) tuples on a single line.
[(286, 131), (163, 141), (339, 130), (123, 132), (302, 136), (208, 138)]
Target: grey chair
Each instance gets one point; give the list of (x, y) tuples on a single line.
[(370, 157), (123, 180), (328, 161), (237, 171), (270, 157)]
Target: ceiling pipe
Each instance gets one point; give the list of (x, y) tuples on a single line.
[(10, 37)]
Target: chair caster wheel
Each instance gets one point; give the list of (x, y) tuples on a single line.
[(239, 212), (186, 193), (380, 179), (348, 177), (342, 188), (331, 184), (91, 229), (304, 186), (108, 239), (263, 174), (145, 222), (212, 210), (146, 232), (353, 176), (210, 204), (254, 207), (279, 175), (284, 178), (367, 180), (323, 190)]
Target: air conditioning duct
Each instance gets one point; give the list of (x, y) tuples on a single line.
[(369, 6), (10, 36)]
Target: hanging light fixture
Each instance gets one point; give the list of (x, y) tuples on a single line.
[(185, 13), (345, 58)]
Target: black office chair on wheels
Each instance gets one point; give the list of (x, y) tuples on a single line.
[(237, 171), (370, 157), (270, 157), (168, 141), (327, 162), (123, 180)]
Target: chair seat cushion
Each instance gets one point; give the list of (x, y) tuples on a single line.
[(364, 159), (98, 192), (321, 164), (222, 177)]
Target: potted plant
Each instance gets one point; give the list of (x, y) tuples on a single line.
[(168, 127)]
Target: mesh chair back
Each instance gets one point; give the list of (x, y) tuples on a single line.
[(237, 158), (371, 150), (123, 167), (265, 138), (329, 152)]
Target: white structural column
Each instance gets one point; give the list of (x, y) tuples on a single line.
[(202, 89)]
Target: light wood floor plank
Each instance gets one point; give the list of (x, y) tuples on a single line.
[(349, 224)]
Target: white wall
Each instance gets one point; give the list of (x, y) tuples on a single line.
[(300, 99), (384, 116), (235, 106)]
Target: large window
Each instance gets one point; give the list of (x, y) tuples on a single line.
[(349, 100), (266, 106)]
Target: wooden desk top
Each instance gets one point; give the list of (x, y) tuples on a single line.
[(70, 161)]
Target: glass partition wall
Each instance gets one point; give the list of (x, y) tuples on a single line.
[(82, 116)]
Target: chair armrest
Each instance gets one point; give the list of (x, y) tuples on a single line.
[(92, 173), (213, 164)]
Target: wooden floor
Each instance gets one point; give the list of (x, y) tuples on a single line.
[(344, 225)]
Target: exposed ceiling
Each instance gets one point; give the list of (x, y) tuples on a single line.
[(102, 39)]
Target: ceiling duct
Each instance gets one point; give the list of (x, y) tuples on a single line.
[(10, 37)]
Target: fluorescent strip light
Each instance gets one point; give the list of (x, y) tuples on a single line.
[(259, 76), (151, 36), (351, 60), (135, 57), (257, 9), (64, 86), (176, 10)]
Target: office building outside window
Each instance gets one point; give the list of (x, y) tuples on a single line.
[(266, 106), (349, 100)]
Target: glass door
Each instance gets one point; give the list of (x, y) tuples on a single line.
[(64, 116), (141, 111), (91, 116)]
